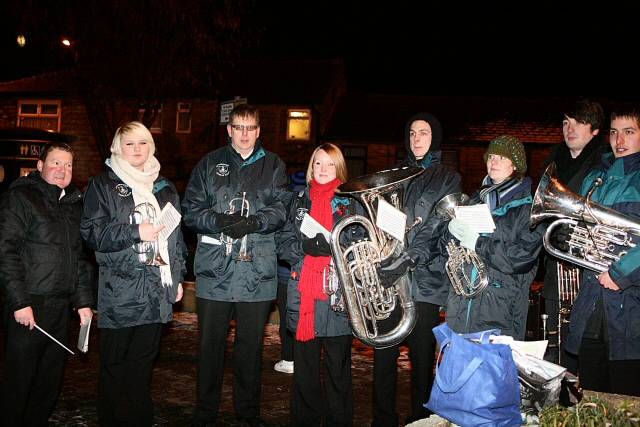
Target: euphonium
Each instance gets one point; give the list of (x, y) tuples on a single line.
[(148, 252), (465, 269), (600, 235), (365, 299), (236, 205)]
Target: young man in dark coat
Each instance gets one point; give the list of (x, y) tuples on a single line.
[(43, 272), (423, 137), (575, 157)]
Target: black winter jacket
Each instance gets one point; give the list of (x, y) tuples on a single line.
[(219, 177), (129, 293), (430, 283), (327, 322), (40, 245), (510, 256)]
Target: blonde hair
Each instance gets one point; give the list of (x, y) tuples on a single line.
[(137, 129), (336, 155)]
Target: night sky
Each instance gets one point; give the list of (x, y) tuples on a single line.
[(460, 49)]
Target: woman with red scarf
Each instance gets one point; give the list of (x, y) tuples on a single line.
[(318, 398)]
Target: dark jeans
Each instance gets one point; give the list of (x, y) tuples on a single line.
[(598, 373), (422, 346), (322, 393), (34, 364), (213, 319), (126, 364), (286, 337)]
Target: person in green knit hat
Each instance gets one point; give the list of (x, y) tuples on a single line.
[(509, 253)]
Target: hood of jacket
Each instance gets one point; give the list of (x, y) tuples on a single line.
[(436, 137)]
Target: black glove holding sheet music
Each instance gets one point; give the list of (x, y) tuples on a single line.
[(316, 246)]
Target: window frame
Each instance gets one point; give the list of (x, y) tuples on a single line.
[(290, 119), (180, 109), (39, 102)]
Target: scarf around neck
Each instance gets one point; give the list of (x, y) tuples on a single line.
[(496, 195), (314, 269), (141, 184)]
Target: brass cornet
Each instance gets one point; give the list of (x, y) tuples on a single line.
[(148, 252), (240, 205)]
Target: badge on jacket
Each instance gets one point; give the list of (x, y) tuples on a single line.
[(123, 190), (222, 169), (300, 213)]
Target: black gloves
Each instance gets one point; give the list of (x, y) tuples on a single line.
[(560, 237), (246, 225), (391, 270), (225, 220), (316, 246)]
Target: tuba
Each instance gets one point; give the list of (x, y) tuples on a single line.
[(465, 269), (365, 299), (148, 252), (597, 232)]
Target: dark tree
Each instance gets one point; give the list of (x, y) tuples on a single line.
[(141, 50)]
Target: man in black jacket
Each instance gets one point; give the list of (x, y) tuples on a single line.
[(42, 271), (430, 286), (235, 200), (578, 155)]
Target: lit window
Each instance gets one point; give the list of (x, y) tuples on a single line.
[(183, 118), (39, 114), (299, 125), (156, 126)]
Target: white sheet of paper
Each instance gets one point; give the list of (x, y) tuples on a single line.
[(391, 220), (310, 227), (83, 337), (170, 218), (478, 217)]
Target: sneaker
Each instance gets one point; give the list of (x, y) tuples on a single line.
[(284, 366)]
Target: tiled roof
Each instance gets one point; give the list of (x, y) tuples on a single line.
[(56, 81)]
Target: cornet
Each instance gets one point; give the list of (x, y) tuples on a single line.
[(228, 242), (148, 252), (465, 269)]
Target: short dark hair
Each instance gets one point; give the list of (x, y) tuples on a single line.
[(627, 112), (63, 146), (587, 112), (244, 111)]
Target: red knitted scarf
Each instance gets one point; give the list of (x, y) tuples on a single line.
[(313, 268)]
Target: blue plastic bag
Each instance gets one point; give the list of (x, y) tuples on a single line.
[(476, 382)]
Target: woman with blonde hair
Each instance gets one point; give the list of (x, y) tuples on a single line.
[(316, 319), (141, 270)]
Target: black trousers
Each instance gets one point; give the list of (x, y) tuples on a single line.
[(286, 337), (598, 373), (422, 346), (124, 384), (322, 393), (34, 364), (213, 320)]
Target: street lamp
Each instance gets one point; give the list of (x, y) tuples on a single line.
[(21, 40)]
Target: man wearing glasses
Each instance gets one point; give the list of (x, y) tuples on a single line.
[(235, 200)]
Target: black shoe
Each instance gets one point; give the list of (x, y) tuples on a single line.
[(253, 422)]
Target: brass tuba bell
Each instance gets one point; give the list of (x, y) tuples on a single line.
[(365, 299)]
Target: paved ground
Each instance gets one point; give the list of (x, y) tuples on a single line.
[(175, 375)]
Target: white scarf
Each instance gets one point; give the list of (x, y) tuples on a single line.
[(141, 184)]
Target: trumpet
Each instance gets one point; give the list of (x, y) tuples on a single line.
[(228, 242), (148, 252)]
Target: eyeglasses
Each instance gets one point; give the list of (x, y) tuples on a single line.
[(241, 128)]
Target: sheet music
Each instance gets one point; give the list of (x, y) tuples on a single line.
[(478, 217), (83, 337), (310, 227), (391, 220), (170, 218)]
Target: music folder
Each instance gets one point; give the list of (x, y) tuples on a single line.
[(83, 337)]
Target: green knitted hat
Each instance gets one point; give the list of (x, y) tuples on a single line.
[(510, 147)]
